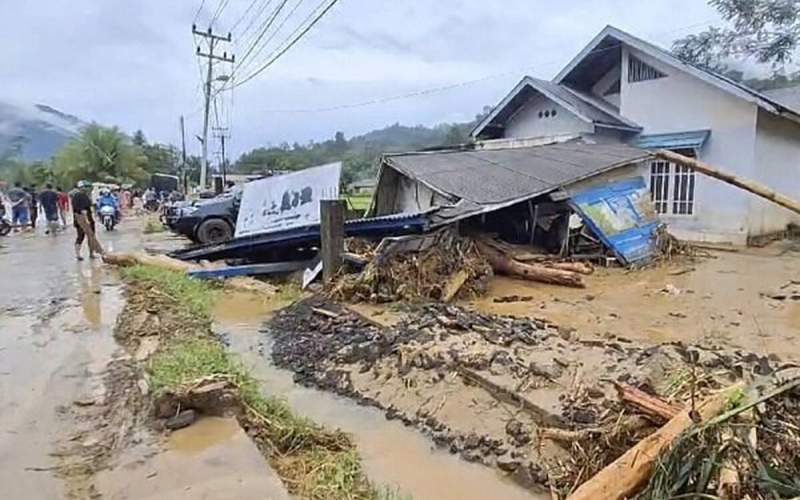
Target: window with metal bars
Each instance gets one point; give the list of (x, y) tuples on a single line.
[(672, 188), (639, 71)]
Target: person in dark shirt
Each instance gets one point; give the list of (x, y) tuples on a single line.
[(48, 199), (34, 205), (82, 207)]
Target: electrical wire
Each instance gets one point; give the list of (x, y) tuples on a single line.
[(253, 21), (264, 28), (444, 88), (222, 5), (199, 9), (279, 53), (244, 14), (242, 65)]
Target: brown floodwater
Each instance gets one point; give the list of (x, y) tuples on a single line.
[(393, 455), (712, 301)]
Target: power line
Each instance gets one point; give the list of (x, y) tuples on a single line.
[(254, 19), (242, 65), (199, 9), (443, 88), (222, 5), (286, 48), (264, 28), (244, 14)]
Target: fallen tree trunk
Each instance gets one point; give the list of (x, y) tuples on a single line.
[(575, 267), (131, 259), (746, 184), (624, 476), (649, 405), (504, 395), (504, 264)]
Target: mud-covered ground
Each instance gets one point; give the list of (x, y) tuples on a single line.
[(482, 385), (734, 300)]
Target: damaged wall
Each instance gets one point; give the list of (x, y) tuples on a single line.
[(778, 166), (397, 193)]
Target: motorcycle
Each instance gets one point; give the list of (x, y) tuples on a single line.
[(5, 226), (108, 216)]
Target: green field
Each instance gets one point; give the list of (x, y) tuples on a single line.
[(358, 201)]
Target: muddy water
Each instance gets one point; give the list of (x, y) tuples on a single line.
[(715, 302), (56, 318), (393, 455)]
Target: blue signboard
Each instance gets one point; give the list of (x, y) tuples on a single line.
[(622, 215)]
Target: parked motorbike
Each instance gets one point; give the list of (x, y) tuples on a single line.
[(108, 217)]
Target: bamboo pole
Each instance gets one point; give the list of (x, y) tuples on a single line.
[(742, 183)]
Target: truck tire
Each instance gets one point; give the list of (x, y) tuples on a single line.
[(214, 231)]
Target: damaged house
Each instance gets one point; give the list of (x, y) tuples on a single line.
[(621, 88), (619, 94)]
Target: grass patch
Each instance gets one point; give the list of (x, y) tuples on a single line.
[(313, 462), (153, 225), (194, 296), (359, 201)]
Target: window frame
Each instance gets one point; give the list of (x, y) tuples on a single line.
[(673, 172)]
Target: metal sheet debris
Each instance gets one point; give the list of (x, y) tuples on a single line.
[(621, 214)]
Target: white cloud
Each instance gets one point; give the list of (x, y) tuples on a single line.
[(131, 63)]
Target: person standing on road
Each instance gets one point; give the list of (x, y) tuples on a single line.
[(34, 204), (82, 218), (20, 201), (49, 201), (63, 205)]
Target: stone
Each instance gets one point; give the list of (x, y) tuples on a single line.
[(507, 463), (519, 432), (181, 420)]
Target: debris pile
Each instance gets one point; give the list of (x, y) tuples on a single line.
[(446, 266), (522, 395)]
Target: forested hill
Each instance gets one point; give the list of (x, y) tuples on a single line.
[(359, 154)]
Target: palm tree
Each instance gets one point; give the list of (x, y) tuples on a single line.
[(100, 154)]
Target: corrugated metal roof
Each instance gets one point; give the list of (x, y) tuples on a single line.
[(489, 177), (675, 140)]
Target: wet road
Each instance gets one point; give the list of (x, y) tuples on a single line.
[(56, 319)]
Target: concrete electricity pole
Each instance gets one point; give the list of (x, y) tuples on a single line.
[(183, 174), (222, 133), (212, 41)]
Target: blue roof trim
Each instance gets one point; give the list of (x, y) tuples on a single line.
[(675, 140)]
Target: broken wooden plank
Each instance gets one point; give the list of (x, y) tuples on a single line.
[(748, 185), (504, 264), (454, 284), (504, 395), (575, 267), (625, 475), (652, 406), (325, 312)]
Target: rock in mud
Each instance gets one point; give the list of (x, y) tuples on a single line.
[(181, 420), (519, 432), (507, 463), (216, 396)]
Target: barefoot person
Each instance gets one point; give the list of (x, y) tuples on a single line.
[(83, 220)]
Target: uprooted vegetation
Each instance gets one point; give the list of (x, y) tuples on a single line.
[(191, 370), (536, 402)]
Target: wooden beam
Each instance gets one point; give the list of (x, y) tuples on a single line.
[(740, 182), (332, 237)]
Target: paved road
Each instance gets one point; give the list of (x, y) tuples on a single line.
[(56, 318)]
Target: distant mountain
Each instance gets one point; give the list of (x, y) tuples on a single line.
[(37, 131)]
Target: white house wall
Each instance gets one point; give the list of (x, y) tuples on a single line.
[(778, 166), (680, 102), (526, 121)]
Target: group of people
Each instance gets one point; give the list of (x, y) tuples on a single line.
[(28, 203)]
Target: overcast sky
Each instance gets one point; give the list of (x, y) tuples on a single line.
[(131, 64)]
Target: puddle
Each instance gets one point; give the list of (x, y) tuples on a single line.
[(393, 455), (201, 435)]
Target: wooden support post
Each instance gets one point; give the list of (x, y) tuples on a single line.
[(332, 236)]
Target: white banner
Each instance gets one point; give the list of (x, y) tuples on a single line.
[(286, 201)]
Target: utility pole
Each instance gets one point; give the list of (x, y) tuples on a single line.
[(212, 42), (222, 133), (183, 174)]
